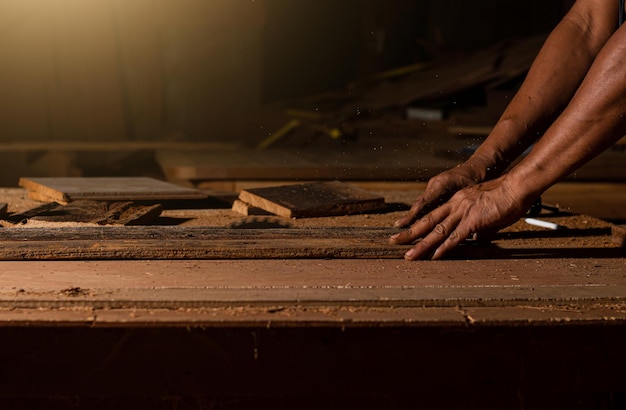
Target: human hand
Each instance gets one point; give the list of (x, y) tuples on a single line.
[(480, 210), (439, 189)]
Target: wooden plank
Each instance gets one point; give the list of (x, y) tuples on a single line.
[(199, 249), (312, 316), (194, 243), (313, 199), (246, 209), (304, 165), (583, 237), (66, 189), (176, 284), (96, 212)]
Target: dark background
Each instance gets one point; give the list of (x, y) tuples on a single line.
[(198, 70)]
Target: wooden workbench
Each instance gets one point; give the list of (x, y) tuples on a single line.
[(213, 266), (536, 312)]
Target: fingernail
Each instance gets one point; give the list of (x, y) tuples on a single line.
[(410, 253), (394, 237), (398, 223)]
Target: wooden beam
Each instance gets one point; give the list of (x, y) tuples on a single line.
[(313, 199), (66, 189)]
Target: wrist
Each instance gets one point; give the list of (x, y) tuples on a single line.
[(528, 181), (480, 167)]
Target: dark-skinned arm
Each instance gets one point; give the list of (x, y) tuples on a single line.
[(551, 82), (592, 121)]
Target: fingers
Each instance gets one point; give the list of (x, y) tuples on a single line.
[(435, 229), (442, 238), (416, 231), (422, 205), (412, 215), (440, 231), (457, 236)]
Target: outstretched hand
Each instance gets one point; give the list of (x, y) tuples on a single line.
[(478, 210), (439, 189)]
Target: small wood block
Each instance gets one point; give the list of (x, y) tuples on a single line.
[(314, 199), (246, 209), (98, 212), (67, 189)]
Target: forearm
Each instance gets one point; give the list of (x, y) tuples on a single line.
[(595, 119), (550, 84)]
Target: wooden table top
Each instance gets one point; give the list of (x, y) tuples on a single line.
[(529, 276)]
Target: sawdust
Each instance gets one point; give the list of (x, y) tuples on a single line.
[(581, 231)]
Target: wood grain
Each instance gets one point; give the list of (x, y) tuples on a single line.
[(178, 242), (313, 199), (305, 165), (66, 189), (97, 212), (144, 242)]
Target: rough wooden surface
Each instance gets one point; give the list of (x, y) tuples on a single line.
[(66, 189), (528, 276), (96, 212), (315, 199), (275, 164), (305, 292)]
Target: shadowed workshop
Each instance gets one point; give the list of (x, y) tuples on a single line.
[(197, 198)]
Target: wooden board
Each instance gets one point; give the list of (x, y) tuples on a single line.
[(583, 237), (88, 243), (246, 209), (303, 165), (97, 212), (65, 190), (300, 284), (313, 199)]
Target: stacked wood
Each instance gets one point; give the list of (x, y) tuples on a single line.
[(314, 199)]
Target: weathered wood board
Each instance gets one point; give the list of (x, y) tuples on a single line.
[(171, 242), (313, 199), (311, 165), (97, 212), (582, 237), (66, 189)]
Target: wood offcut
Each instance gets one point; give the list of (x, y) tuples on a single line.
[(313, 199), (64, 190), (95, 212)]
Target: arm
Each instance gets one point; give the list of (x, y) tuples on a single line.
[(592, 120), (551, 82)]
